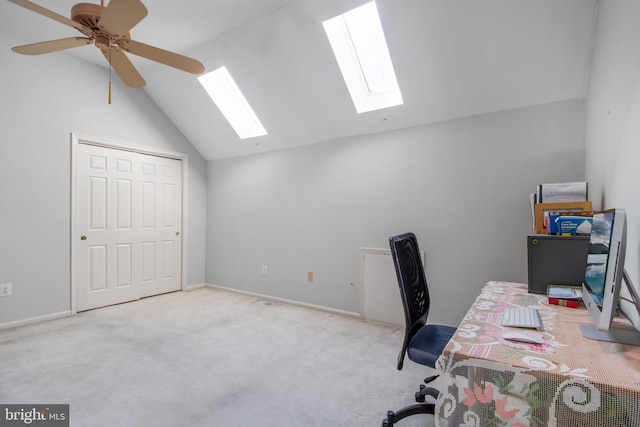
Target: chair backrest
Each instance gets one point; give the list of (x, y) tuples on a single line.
[(413, 286)]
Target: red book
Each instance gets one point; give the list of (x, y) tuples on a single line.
[(564, 302)]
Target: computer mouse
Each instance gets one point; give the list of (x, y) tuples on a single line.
[(522, 337)]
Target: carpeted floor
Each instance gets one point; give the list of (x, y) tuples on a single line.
[(210, 357)]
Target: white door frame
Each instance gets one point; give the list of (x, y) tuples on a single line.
[(77, 139)]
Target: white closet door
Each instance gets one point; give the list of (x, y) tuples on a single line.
[(125, 201), (161, 188)]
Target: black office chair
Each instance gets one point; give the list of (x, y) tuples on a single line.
[(423, 342)]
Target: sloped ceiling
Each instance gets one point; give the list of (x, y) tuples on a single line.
[(453, 58)]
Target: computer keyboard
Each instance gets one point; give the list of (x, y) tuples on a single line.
[(522, 318)]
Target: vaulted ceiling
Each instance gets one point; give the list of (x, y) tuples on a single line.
[(452, 58)]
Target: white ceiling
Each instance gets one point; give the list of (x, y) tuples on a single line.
[(453, 58)]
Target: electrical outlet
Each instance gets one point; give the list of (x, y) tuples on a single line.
[(5, 290), (265, 271)]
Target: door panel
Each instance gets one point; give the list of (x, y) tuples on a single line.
[(168, 198), (168, 254), (98, 268), (162, 184), (98, 203), (130, 216), (148, 205), (148, 261), (125, 261), (124, 207)]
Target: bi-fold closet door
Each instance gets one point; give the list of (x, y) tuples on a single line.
[(128, 225)]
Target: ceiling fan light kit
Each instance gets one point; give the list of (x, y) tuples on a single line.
[(109, 28)]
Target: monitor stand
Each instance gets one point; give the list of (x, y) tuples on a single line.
[(622, 336)]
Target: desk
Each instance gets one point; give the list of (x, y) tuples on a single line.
[(567, 381)]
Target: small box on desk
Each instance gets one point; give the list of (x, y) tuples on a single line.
[(555, 260), (542, 211), (564, 225)]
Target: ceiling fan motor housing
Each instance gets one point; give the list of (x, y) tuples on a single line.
[(88, 14)]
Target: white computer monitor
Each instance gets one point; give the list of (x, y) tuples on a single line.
[(604, 277)]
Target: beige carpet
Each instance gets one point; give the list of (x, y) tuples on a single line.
[(210, 358)]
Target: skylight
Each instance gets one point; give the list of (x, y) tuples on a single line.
[(227, 96), (358, 42)]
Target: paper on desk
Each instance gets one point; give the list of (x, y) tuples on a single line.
[(532, 200), (562, 192)]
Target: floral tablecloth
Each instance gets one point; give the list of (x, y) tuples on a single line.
[(566, 381)]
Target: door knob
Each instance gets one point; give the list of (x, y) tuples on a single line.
[(177, 233), (83, 238)]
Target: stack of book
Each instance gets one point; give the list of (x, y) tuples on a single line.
[(566, 296), (560, 198)]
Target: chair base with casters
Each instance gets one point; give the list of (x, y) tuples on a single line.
[(423, 343), (421, 407)]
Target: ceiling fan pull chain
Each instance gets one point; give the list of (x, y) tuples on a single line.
[(110, 75)]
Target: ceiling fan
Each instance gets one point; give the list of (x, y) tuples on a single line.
[(109, 28)]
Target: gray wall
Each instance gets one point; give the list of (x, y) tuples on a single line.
[(613, 127), (462, 186), (44, 99)]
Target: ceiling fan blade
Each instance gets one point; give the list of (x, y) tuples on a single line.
[(120, 16), (123, 66), (49, 14), (52, 46), (163, 56)]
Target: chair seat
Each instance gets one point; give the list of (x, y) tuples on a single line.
[(427, 345)]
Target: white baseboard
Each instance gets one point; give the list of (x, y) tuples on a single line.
[(194, 287), (33, 320), (288, 301), (54, 316)]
